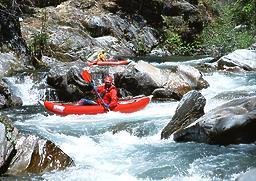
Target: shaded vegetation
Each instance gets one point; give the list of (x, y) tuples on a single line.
[(174, 41), (244, 12), (234, 28), (39, 43)]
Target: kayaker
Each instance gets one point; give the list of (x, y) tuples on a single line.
[(108, 93), (101, 57)]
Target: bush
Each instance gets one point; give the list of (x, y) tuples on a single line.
[(245, 12), (224, 35)]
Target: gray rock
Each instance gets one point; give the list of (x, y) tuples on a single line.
[(231, 123), (20, 154), (190, 108), (242, 58)]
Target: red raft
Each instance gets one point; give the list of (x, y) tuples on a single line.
[(110, 62), (124, 106)]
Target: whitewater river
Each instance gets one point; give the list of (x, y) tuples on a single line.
[(135, 152)]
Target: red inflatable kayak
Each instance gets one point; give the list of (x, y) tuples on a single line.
[(124, 106), (109, 62)]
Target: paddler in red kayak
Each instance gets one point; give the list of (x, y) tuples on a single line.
[(107, 92), (101, 57)]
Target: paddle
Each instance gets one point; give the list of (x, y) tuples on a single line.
[(88, 79)]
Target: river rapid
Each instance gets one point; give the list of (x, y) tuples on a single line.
[(135, 152)]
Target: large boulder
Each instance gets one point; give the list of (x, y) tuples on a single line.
[(7, 144), (190, 108), (35, 155), (231, 123), (21, 154), (69, 86), (185, 79), (140, 78), (143, 78), (241, 58)]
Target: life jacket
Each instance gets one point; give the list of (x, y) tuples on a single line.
[(101, 57), (109, 95)]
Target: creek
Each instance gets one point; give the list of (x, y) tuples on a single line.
[(136, 152)]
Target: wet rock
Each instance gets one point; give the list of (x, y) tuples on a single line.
[(192, 76), (140, 78), (163, 93), (7, 98), (190, 108), (35, 155), (7, 143), (69, 87), (231, 123), (185, 79), (242, 58), (144, 78), (21, 154), (11, 63)]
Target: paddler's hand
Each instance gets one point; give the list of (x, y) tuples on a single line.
[(106, 106)]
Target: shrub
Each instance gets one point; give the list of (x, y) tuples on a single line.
[(223, 34)]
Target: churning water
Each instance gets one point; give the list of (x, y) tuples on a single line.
[(116, 146)]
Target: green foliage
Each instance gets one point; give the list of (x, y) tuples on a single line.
[(175, 26), (39, 43), (245, 12), (141, 49), (223, 34), (4, 3), (177, 46), (173, 40)]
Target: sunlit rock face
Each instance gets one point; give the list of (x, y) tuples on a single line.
[(78, 28), (243, 59), (40, 3), (143, 78)]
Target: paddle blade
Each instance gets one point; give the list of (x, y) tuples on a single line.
[(86, 76)]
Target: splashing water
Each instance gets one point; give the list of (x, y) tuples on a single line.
[(116, 146)]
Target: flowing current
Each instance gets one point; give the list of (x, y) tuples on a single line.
[(116, 146)]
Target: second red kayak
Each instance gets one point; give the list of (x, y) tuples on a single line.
[(124, 106), (110, 62)]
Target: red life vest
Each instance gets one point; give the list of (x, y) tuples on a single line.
[(109, 95)]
